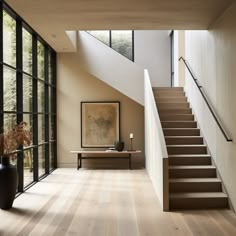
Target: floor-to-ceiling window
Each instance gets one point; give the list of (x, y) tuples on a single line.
[(121, 41), (28, 93)]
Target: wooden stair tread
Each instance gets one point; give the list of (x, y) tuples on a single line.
[(159, 103), (194, 180), (186, 145), (178, 121), (180, 111), (181, 128), (167, 88), (188, 155), (171, 99), (181, 137), (192, 167), (199, 195), (178, 115)]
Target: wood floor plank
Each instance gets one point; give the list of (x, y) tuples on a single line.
[(67, 201), (226, 226), (105, 203)]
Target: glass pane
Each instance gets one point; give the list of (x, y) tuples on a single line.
[(41, 128), (51, 101), (9, 122), (40, 96), (27, 94), (102, 35), (27, 51), (9, 87), (50, 80), (51, 128), (9, 39), (40, 60), (121, 41), (41, 160), (51, 156), (28, 167), (28, 118)]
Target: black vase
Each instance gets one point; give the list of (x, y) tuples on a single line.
[(119, 146), (8, 183)]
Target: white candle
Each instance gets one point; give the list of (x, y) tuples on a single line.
[(131, 135)]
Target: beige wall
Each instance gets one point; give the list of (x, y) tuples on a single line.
[(212, 56), (75, 85)]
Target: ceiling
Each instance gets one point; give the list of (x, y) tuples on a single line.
[(51, 18)]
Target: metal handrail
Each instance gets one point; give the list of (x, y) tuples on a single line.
[(208, 104)]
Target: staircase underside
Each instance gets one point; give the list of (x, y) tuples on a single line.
[(193, 181)]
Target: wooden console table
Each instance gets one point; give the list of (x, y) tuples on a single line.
[(104, 155)]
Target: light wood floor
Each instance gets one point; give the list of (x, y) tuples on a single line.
[(105, 203)]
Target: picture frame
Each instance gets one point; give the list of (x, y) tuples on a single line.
[(100, 124)]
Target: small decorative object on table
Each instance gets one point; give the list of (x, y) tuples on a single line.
[(9, 142), (119, 146), (131, 136)]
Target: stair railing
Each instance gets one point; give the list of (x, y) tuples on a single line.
[(228, 139)]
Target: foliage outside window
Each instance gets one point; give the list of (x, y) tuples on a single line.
[(119, 40), (24, 97), (102, 35)]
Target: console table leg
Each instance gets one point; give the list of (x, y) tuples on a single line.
[(79, 161), (130, 161)]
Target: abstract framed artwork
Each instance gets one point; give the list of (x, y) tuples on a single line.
[(100, 124)]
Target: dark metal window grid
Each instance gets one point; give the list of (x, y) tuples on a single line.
[(20, 24), (110, 43)]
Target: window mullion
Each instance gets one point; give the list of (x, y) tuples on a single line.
[(1, 68), (19, 100), (35, 105), (54, 95), (46, 107)]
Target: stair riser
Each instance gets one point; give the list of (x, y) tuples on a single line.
[(189, 161), (195, 187), (181, 132), (184, 141), (179, 124), (198, 203), (187, 150), (187, 193), (175, 111), (168, 94), (168, 89), (192, 173), (176, 117), (171, 100), (173, 105)]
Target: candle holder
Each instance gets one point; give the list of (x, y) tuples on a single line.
[(131, 144)]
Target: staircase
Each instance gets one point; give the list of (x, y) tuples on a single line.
[(193, 182)]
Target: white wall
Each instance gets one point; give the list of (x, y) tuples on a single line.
[(110, 67), (179, 51), (155, 147), (152, 52), (212, 56)]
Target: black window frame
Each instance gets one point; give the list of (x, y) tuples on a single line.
[(110, 41), (20, 24)]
